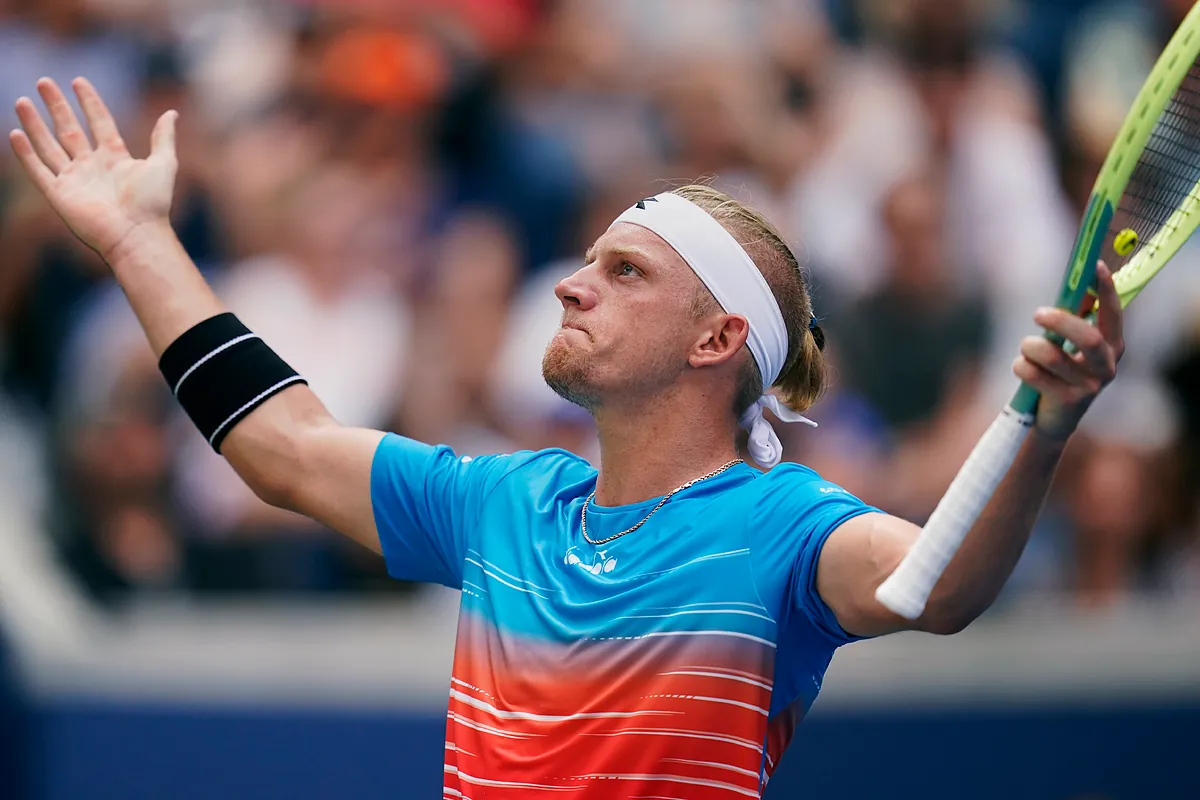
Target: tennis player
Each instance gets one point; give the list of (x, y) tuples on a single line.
[(658, 628)]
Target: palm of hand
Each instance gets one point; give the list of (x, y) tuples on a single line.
[(101, 192), (102, 196)]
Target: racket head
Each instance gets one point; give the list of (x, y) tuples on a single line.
[(1146, 190)]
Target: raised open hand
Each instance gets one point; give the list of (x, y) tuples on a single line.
[(101, 192)]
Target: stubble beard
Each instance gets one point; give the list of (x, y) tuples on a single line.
[(564, 373)]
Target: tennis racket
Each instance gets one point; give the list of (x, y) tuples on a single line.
[(1142, 209)]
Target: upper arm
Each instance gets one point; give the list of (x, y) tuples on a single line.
[(858, 556), (334, 484), (428, 503), (294, 455), (793, 524), (414, 503)]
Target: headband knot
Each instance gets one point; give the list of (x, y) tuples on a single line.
[(739, 287)]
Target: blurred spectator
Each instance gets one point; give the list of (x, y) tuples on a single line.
[(63, 39), (497, 159), (928, 84), (117, 533), (912, 348), (578, 82), (1182, 554), (321, 297), (462, 325), (1128, 488), (389, 193), (1116, 493), (238, 57)]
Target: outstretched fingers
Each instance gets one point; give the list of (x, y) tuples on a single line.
[(35, 165), (99, 118), (72, 136), (40, 137), (162, 138)]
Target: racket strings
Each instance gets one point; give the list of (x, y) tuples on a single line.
[(1166, 175)]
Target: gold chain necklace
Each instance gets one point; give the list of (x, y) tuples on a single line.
[(688, 485)]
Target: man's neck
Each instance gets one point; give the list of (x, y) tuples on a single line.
[(647, 452)]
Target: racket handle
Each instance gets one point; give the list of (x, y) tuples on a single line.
[(906, 590)]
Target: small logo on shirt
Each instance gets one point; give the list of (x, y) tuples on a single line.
[(599, 564)]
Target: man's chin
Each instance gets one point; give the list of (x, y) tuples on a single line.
[(567, 380)]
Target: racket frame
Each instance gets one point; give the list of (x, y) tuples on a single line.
[(1078, 287)]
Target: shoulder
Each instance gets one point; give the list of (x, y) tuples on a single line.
[(792, 518), (530, 468), (792, 477), (797, 498), (547, 468)]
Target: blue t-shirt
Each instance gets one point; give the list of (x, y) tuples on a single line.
[(680, 655)]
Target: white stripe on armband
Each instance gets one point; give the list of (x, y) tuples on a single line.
[(264, 394), (218, 351)]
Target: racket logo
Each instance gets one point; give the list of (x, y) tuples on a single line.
[(1099, 212), (1086, 234)]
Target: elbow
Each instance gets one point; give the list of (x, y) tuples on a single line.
[(948, 626), (277, 465), (953, 608), (943, 621), (273, 491), (273, 486)]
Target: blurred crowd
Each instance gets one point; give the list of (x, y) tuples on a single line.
[(388, 191)]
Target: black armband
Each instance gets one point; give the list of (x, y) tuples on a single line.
[(220, 371)]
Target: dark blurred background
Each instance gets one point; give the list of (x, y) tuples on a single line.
[(387, 191)]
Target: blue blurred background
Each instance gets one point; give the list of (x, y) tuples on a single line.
[(388, 190)]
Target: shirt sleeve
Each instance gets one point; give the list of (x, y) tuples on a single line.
[(791, 525), (427, 501)]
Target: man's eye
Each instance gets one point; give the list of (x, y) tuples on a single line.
[(629, 270)]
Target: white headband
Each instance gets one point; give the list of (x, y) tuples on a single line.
[(740, 288)]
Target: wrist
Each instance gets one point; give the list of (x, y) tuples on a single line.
[(1055, 439), (143, 238)]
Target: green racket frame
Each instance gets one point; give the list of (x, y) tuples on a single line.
[(1078, 288)]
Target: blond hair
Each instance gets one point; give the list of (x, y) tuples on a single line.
[(804, 375)]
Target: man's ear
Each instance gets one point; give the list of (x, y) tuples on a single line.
[(720, 340)]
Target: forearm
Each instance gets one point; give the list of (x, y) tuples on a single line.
[(170, 296), (267, 448), (875, 573), (987, 557), (289, 450), (165, 289)]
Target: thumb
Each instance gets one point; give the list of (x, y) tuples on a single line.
[(1108, 305), (162, 139)]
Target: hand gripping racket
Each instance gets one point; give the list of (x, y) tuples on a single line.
[(1142, 209)]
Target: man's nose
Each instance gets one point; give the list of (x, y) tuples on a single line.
[(577, 290)]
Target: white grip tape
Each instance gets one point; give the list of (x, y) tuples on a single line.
[(906, 590)]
